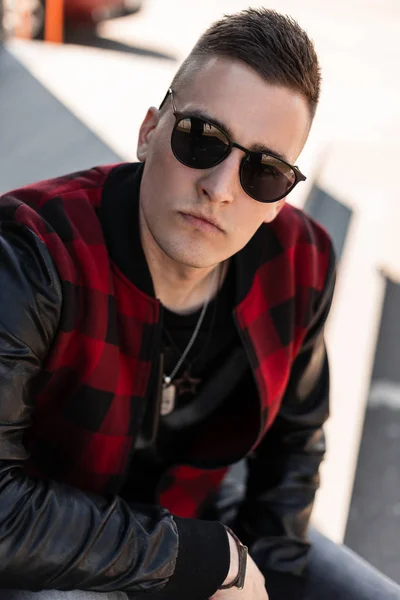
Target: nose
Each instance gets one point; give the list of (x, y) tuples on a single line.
[(221, 183)]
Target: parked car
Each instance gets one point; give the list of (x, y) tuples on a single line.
[(93, 11), (26, 19)]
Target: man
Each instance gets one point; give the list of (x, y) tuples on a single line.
[(161, 321)]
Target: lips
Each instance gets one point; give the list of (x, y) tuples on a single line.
[(207, 221)]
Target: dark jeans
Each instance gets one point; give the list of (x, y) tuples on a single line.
[(335, 573)]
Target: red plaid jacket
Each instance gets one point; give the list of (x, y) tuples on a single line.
[(91, 395)]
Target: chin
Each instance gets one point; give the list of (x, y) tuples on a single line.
[(196, 262), (197, 258)]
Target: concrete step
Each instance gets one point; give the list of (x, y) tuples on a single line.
[(373, 528), (40, 137)]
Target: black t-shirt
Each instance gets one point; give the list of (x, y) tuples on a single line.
[(214, 343), (215, 337)]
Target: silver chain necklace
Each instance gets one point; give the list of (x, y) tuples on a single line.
[(168, 389)]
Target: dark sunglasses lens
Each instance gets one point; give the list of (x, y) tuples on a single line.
[(198, 144), (266, 178)]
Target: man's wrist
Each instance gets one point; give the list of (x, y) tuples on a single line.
[(234, 560)]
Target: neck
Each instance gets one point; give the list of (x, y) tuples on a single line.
[(180, 288)]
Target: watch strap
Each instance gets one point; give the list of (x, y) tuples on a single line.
[(242, 552)]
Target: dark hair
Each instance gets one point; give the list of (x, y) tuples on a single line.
[(272, 44)]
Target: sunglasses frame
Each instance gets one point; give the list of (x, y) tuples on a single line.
[(179, 116)]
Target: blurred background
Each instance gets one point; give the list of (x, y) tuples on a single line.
[(76, 78)]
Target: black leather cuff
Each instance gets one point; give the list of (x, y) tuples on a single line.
[(202, 562)]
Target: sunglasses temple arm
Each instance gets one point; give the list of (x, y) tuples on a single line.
[(169, 93), (299, 174), (164, 100)]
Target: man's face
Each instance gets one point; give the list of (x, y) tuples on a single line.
[(256, 113)]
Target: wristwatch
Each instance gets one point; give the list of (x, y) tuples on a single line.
[(242, 551)]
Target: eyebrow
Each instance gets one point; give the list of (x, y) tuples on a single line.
[(196, 112)]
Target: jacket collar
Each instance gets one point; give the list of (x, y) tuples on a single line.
[(119, 215)]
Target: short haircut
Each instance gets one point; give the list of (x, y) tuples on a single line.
[(272, 44)]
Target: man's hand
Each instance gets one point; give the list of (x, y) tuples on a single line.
[(254, 583)]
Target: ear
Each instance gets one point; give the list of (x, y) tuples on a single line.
[(274, 210), (146, 132)]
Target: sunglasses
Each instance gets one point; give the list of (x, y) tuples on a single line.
[(201, 144)]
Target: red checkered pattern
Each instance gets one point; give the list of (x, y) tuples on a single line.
[(91, 395), (275, 314)]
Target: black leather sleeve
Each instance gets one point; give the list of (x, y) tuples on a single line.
[(283, 470), (57, 537)]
